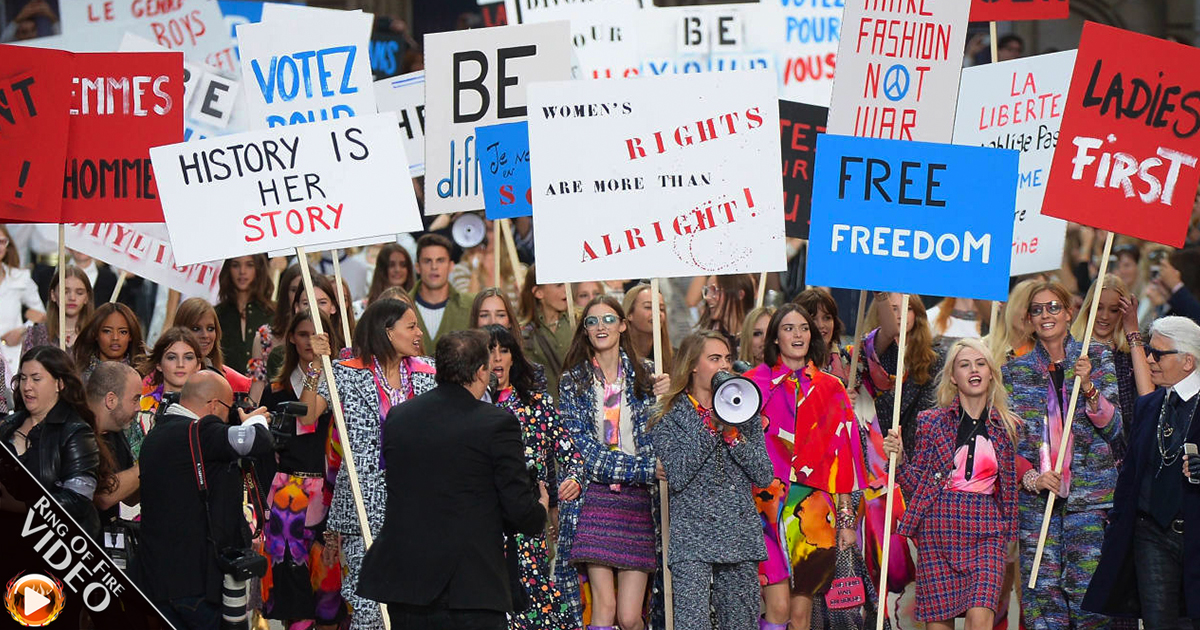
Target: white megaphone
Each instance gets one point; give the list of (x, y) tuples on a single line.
[(468, 230), (736, 399)]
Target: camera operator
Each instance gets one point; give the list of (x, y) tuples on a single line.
[(195, 551)]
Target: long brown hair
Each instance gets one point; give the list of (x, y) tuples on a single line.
[(477, 305), (983, 314), (818, 354), (85, 311), (190, 313), (629, 302), (731, 309), (690, 350), (581, 350), (10, 257), (528, 303), (291, 356), (379, 281), (325, 284), (87, 344), (919, 354), (260, 288), (168, 338), (284, 305)]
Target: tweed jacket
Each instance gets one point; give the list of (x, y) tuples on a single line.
[(711, 486), (924, 477), (360, 407), (1093, 465)]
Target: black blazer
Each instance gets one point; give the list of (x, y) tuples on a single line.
[(456, 482), (1113, 588)]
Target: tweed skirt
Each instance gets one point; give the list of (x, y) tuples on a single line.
[(960, 559), (615, 529)]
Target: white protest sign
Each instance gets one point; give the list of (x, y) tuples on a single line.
[(898, 65), (144, 250), (603, 32), (275, 11), (405, 95), (1018, 105), (307, 68), (475, 78), (297, 186), (194, 27), (662, 177), (214, 104)]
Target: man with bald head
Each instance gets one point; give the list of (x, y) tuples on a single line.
[(183, 531), (113, 393)]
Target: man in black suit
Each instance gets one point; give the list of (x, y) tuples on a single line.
[(456, 483), (1150, 563)]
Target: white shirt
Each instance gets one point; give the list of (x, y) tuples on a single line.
[(1189, 386), (955, 328), (91, 271), (432, 317), (17, 292)]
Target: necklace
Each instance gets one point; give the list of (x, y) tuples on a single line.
[(1168, 453)]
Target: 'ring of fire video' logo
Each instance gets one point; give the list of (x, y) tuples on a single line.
[(34, 599)]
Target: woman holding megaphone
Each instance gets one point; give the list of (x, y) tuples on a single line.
[(811, 436), (713, 453), (961, 485)]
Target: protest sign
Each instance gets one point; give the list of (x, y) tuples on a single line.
[(1019, 104), (660, 177), (274, 189), (405, 95), (306, 67), (799, 125), (1012, 10), (912, 217), (194, 27), (474, 78), (35, 95), (1126, 160), (898, 65), (144, 250), (504, 158), (603, 32), (121, 105)]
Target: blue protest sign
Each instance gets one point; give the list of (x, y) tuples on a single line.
[(912, 217), (504, 168)]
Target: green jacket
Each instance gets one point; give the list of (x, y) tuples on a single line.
[(548, 347), (457, 316), (234, 350)]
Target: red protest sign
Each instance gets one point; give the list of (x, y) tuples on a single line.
[(1126, 155), (1005, 10), (121, 105), (34, 97)]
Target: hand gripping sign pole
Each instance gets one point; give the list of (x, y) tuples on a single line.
[(891, 482), (341, 299), (1069, 420), (335, 403), (668, 592)]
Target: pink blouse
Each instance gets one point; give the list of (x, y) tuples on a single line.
[(984, 468)]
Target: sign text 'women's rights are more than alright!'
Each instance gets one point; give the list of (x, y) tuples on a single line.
[(912, 217), (274, 189)]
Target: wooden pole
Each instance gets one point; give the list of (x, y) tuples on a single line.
[(62, 286), (275, 275), (860, 321), (664, 502), (992, 323), (341, 299), (992, 35), (570, 305), (891, 483), (496, 254), (1069, 420), (117, 287), (338, 417), (762, 290), (173, 298), (515, 261)]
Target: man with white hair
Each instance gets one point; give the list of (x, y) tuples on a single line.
[(1148, 568)]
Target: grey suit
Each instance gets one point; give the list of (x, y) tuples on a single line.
[(716, 533)]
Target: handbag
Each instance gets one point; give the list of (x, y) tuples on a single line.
[(849, 568), (846, 591)]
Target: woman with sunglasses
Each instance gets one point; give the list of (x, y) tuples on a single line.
[(1039, 386), (727, 299), (610, 532)]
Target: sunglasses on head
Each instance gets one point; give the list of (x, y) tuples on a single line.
[(1054, 307), (1157, 354), (608, 319)]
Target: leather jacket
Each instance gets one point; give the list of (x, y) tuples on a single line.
[(62, 447)]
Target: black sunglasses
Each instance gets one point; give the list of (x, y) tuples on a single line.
[(1159, 354)]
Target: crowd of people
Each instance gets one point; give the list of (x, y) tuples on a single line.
[(112, 413)]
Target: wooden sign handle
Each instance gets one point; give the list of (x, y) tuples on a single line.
[(891, 482), (341, 298), (664, 502)]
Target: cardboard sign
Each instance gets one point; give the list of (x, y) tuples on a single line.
[(121, 105), (297, 186), (35, 95), (898, 65), (505, 169), (670, 176), (912, 217), (194, 27), (1126, 159), (603, 33), (799, 125), (144, 250), (1019, 104), (213, 104), (405, 95), (1013, 10), (306, 68), (474, 78)]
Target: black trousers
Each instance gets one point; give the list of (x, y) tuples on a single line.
[(435, 617), (1159, 567)]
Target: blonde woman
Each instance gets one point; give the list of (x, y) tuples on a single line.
[(961, 522), (754, 335), (1013, 338)]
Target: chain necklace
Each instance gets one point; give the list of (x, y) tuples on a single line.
[(1169, 455)]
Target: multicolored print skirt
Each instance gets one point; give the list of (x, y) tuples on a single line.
[(299, 584)]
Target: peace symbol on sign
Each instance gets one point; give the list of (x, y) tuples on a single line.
[(896, 82)]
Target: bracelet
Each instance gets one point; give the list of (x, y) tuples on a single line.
[(1093, 394), (1134, 337), (845, 521), (1029, 480)]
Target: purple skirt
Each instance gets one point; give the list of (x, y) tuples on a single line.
[(616, 529)]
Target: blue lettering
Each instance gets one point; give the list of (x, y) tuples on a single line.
[(265, 84), (285, 93), (815, 30), (1030, 179), (275, 82)]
